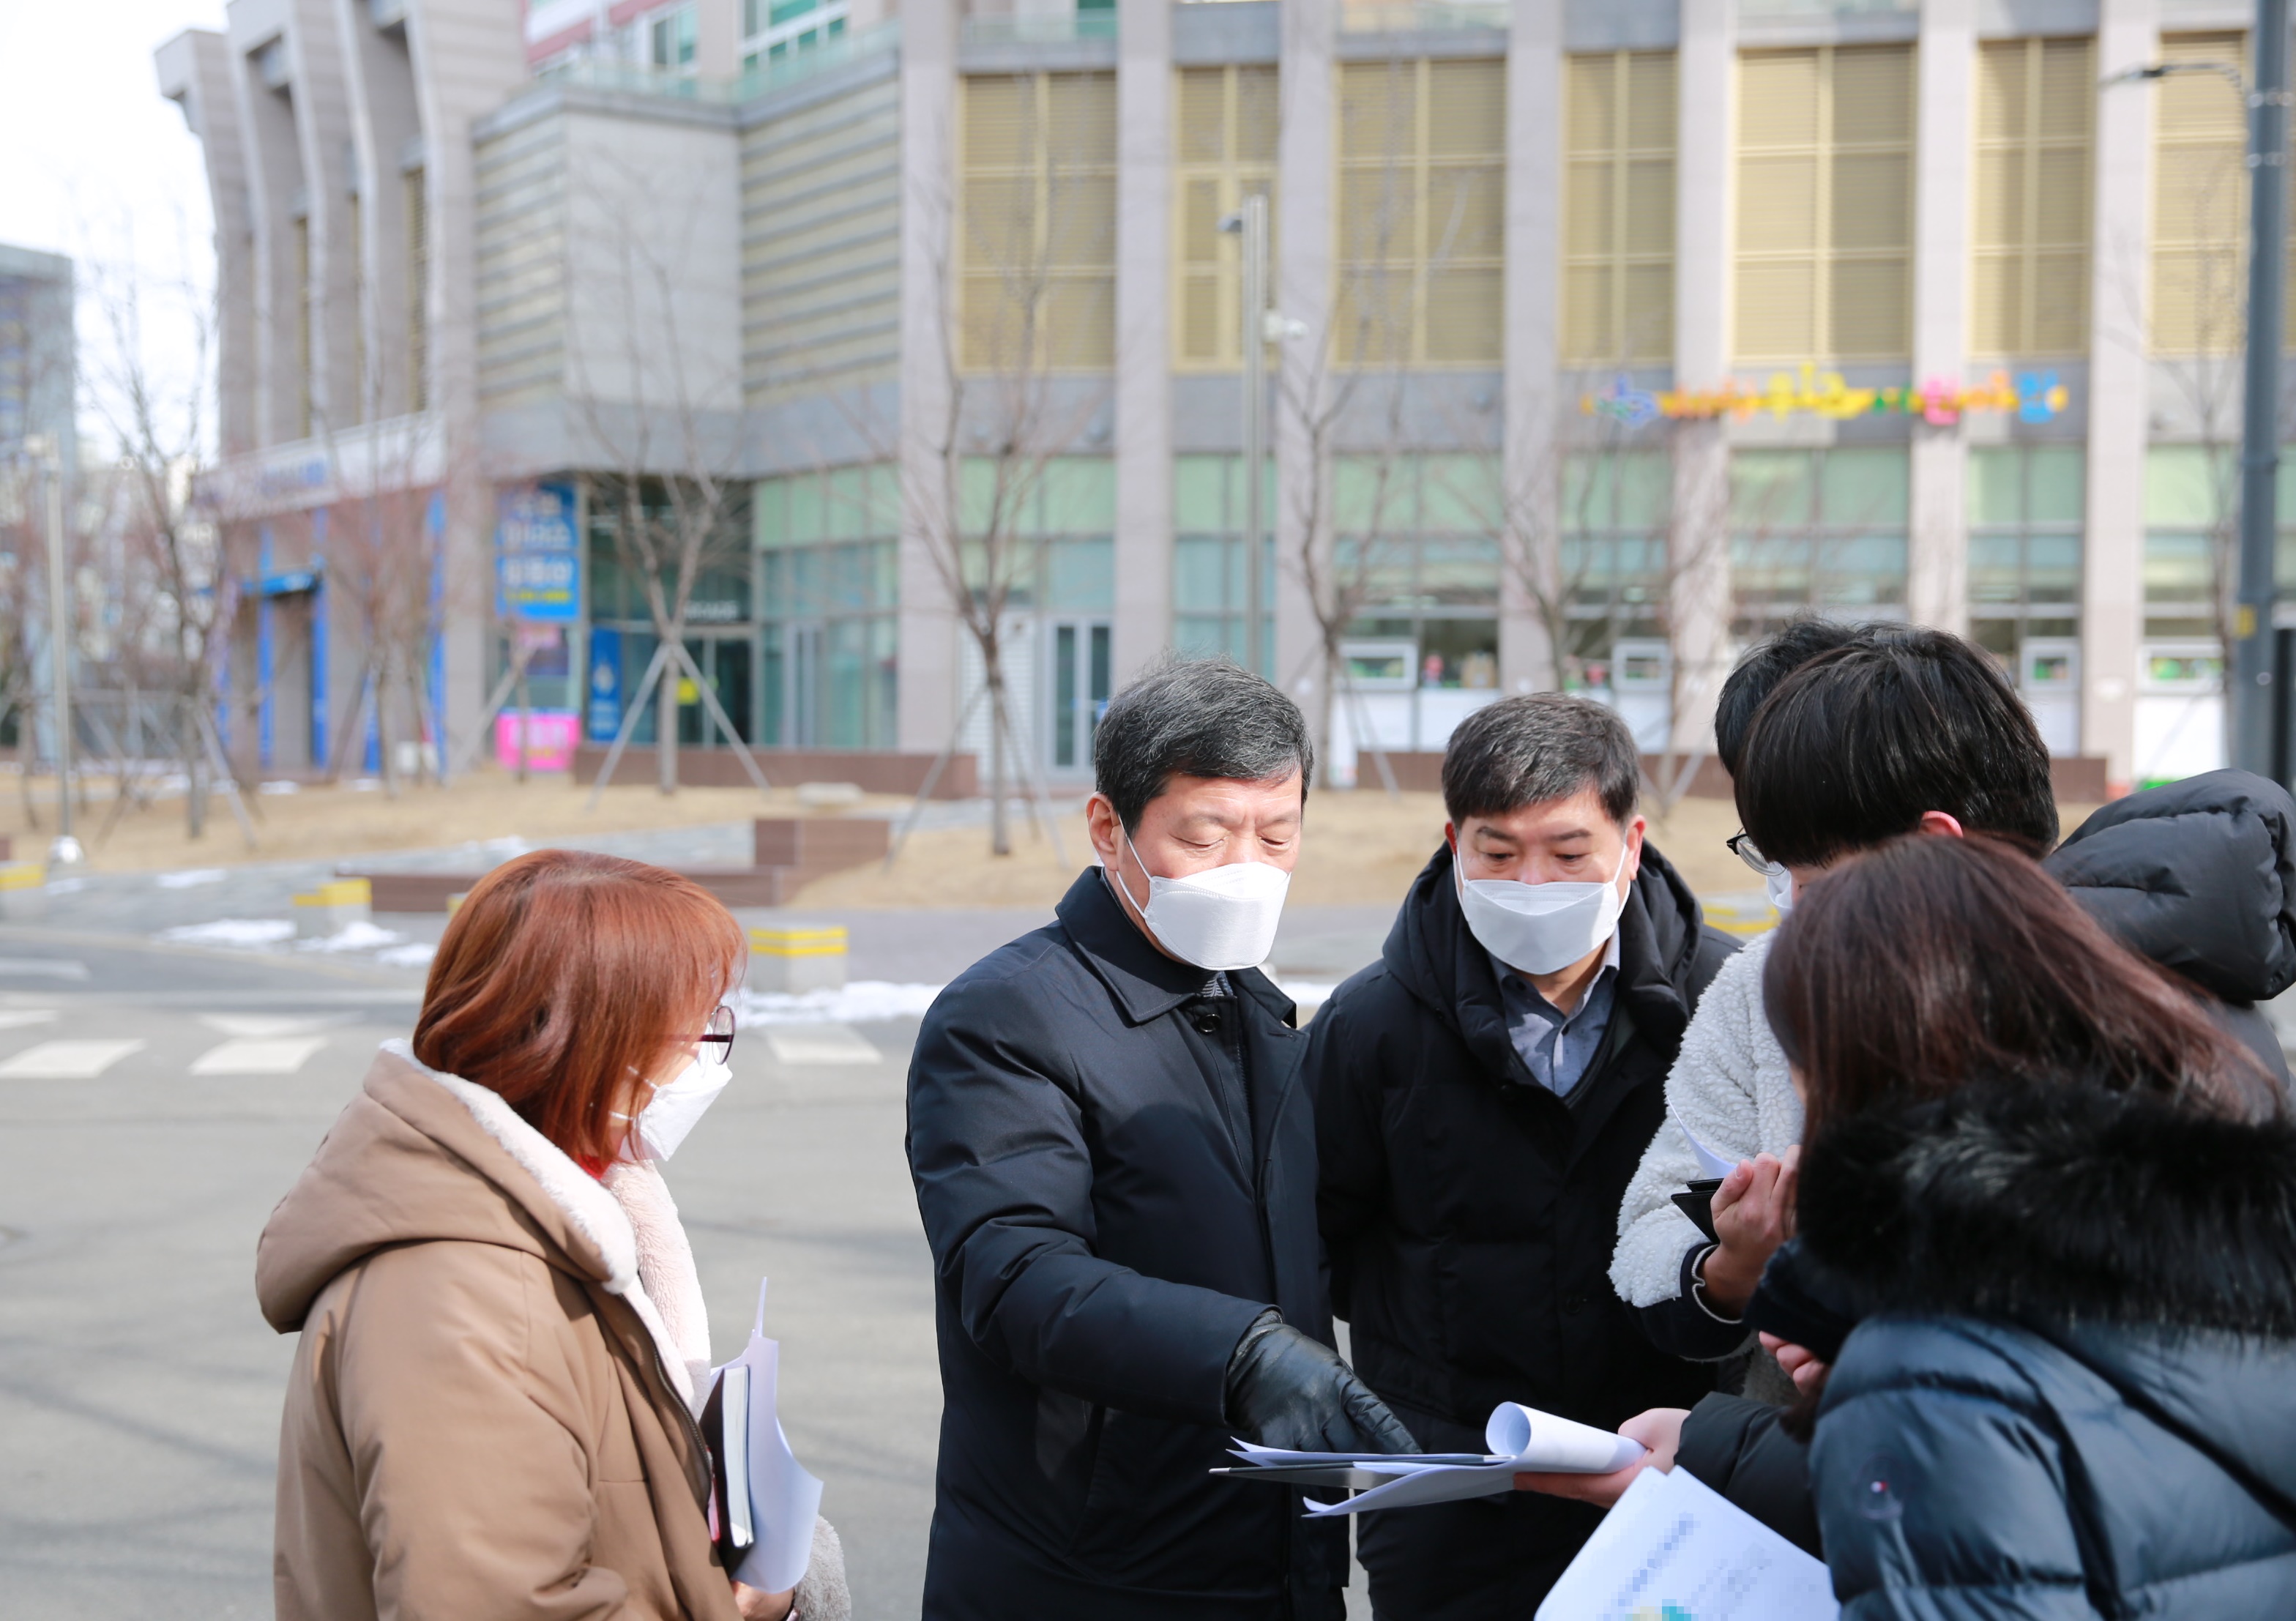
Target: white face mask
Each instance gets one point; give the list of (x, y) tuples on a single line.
[(1540, 929), (1779, 887), (678, 1103), (1223, 918)]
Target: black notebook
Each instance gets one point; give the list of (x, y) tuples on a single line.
[(725, 1427)]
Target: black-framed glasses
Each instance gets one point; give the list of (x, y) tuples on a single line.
[(715, 1046), (1742, 844)]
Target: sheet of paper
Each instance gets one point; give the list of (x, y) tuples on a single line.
[(1518, 1438), (1672, 1546), (783, 1499), (1709, 1163)]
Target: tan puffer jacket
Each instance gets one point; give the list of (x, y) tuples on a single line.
[(482, 1423)]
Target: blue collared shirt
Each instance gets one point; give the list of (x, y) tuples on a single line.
[(1559, 1048)]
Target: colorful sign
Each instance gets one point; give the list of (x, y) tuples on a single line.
[(2031, 396), (550, 735), (538, 566)]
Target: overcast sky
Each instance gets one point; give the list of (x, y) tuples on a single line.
[(95, 164)]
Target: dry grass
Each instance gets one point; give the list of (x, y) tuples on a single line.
[(321, 822), (1362, 849)]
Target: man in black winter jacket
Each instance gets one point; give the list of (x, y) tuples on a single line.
[(1115, 1165), (1482, 1095)]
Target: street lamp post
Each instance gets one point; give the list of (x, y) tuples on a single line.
[(2249, 728), (65, 850), (2252, 706), (1250, 223)]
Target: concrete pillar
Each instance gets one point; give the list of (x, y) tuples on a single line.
[(2112, 564), (1143, 348), (929, 677), (322, 132), (1937, 543), (468, 55), (1531, 458), (383, 120), (195, 72), (1306, 161), (1698, 594), (718, 39), (274, 177)]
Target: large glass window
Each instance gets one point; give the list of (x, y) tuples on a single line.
[(1821, 529), (1422, 212), (1826, 203), (1417, 556), (2024, 504), (772, 29), (2029, 293), (1224, 143), (1211, 587), (828, 553), (1039, 223), (1618, 210), (1614, 522)]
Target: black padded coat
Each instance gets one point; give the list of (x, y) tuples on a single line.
[(2073, 1392), (1101, 1236)]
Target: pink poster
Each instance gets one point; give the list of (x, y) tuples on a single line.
[(549, 740)]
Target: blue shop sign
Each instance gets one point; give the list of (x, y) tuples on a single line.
[(605, 684), (537, 565)]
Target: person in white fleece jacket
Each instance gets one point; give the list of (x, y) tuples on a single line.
[(1885, 732)]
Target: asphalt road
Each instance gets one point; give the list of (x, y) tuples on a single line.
[(139, 1386)]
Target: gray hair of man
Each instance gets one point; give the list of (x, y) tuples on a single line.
[(1536, 748), (1196, 717)]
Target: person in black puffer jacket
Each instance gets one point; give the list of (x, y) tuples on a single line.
[(2061, 1205)]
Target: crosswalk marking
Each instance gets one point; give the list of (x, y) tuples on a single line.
[(821, 1043), (258, 1055), (67, 1060), (260, 1024)]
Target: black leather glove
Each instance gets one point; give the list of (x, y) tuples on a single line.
[(1289, 1391)]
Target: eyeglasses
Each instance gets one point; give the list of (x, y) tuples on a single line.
[(715, 1047), (1740, 845)]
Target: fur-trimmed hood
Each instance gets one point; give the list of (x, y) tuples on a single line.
[(2058, 1205)]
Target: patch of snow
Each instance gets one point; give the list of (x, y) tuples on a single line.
[(231, 931), (358, 935), (283, 786), (417, 955), (364, 785), (191, 877), (860, 1003), (66, 886)]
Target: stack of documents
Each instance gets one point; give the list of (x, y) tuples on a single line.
[(1520, 1439), (1672, 1546)]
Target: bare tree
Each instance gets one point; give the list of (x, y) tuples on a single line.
[(673, 501), (193, 553)]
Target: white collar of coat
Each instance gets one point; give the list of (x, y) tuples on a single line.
[(595, 1212)]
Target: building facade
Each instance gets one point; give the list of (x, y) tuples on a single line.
[(903, 339)]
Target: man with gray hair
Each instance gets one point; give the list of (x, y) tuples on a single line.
[(1483, 1093), (1115, 1162)]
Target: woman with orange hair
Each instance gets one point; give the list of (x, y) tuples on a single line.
[(492, 1412)]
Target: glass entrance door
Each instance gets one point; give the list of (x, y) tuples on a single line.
[(1077, 691), (801, 716), (726, 661)]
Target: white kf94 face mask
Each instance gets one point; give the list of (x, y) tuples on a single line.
[(1223, 918), (678, 1105), (1540, 929), (1778, 885)]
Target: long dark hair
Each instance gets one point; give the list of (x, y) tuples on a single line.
[(1929, 961)]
